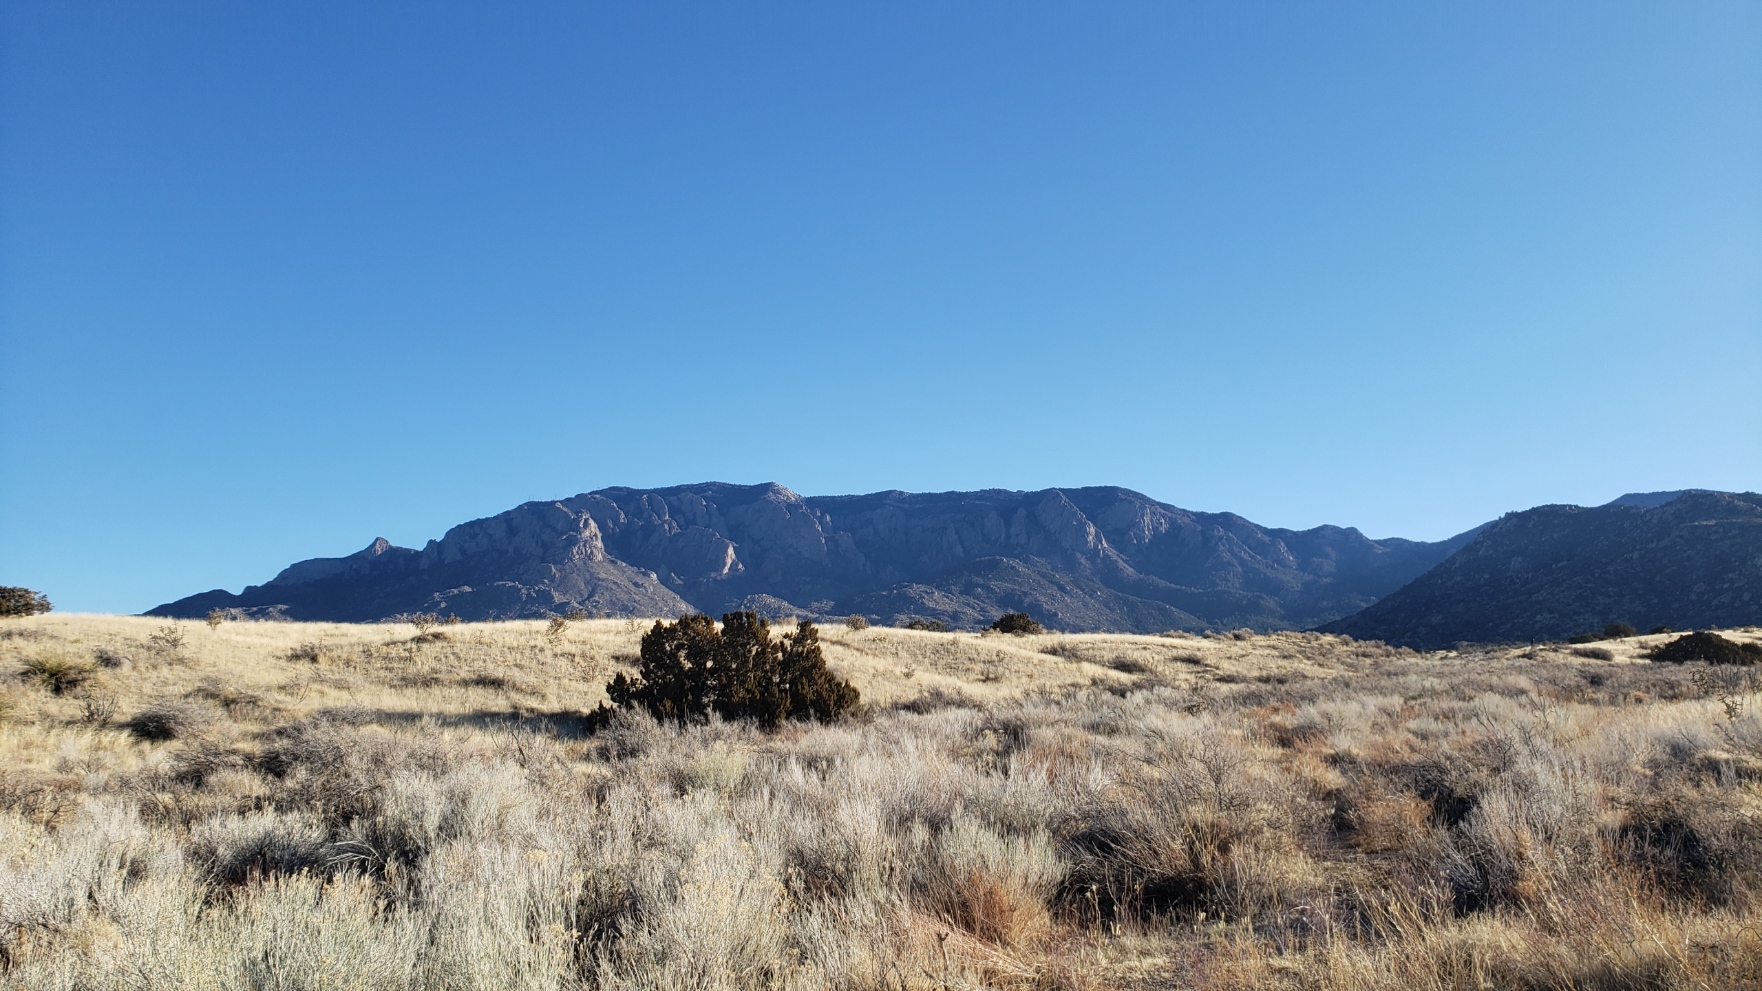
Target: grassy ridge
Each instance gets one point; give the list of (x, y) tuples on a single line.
[(330, 806)]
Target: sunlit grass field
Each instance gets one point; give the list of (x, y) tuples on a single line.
[(289, 805)]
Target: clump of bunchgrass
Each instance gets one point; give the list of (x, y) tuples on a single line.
[(56, 673)]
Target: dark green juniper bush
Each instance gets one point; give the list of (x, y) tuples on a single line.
[(690, 669), (1709, 647), (1018, 623), (1614, 631), (16, 601)]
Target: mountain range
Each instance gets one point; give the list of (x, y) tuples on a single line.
[(1080, 559), (1099, 558)]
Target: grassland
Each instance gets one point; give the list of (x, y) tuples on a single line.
[(306, 806)]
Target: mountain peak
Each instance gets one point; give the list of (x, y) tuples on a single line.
[(1650, 500), (1554, 571)]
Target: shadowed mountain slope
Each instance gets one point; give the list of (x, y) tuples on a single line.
[(1079, 559), (1686, 560)]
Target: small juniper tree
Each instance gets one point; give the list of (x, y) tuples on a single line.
[(689, 669), (808, 689), (1019, 623), (15, 601)]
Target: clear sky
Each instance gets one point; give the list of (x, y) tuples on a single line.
[(276, 279)]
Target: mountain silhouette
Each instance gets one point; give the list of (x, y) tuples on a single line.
[(1689, 559), (1100, 558)]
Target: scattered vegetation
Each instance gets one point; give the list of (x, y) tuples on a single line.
[(168, 639), (556, 630), (1709, 647), (15, 601), (97, 707), (927, 625), (856, 621), (1293, 812), (214, 618), (1614, 631), (690, 669), (1018, 623), (170, 719), (310, 652)]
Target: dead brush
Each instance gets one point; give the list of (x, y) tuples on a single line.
[(1200, 828), (992, 885), (170, 719), (234, 852), (237, 702), (310, 652), (97, 707), (35, 797), (168, 639)]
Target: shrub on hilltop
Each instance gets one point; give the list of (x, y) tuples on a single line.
[(1614, 631), (690, 669), (1709, 647), (15, 601), (1018, 623)]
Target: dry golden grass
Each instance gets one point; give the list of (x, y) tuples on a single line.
[(276, 805)]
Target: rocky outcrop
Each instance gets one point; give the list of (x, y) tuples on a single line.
[(1082, 559), (538, 559), (1686, 560)]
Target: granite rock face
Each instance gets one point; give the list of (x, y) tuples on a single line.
[(1078, 559), (1686, 560)]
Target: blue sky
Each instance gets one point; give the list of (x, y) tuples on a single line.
[(278, 279)]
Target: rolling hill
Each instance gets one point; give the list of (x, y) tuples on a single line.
[(1690, 559)]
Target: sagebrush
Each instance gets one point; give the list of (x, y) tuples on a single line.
[(1291, 812)]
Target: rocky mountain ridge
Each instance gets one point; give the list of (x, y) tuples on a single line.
[(1689, 559), (1100, 558)]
